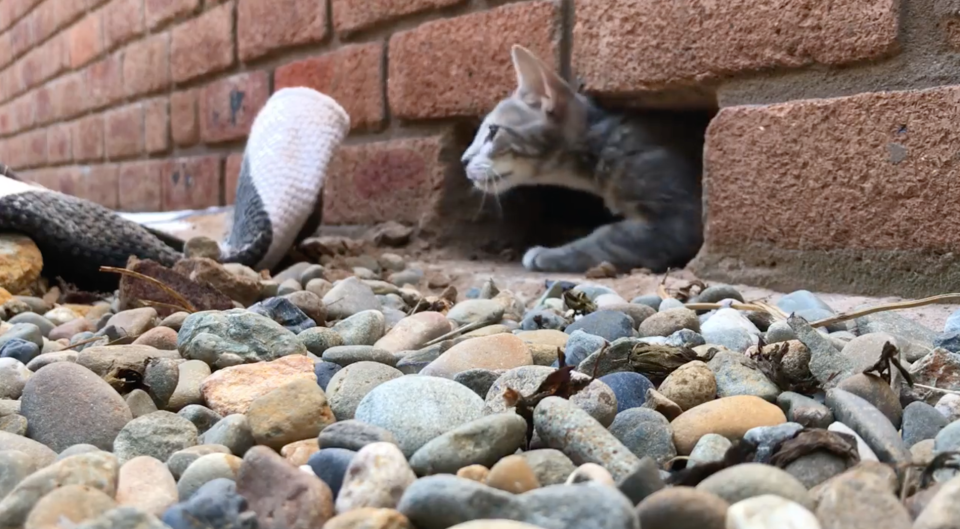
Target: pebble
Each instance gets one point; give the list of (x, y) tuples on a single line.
[(948, 406), (730, 417), (134, 322), (68, 329), (23, 331), (916, 339), (216, 504), (476, 473), (371, 518), (860, 501), (409, 276), (20, 350), (564, 426), (330, 465), (146, 484), (629, 388), (289, 286), (826, 363), (767, 438), (512, 474), (748, 480), (310, 304), (77, 450), (348, 297), (43, 324), (158, 434), (478, 380), (690, 385), (864, 350), (874, 390), (159, 337), (413, 332), (938, 369), (591, 472), (233, 432), (201, 416), (318, 339), (70, 503), (324, 371), (866, 453), (96, 471), (67, 404), (280, 493), (346, 355), (607, 324), (597, 399), (232, 390), (943, 511), (543, 319), (292, 412), (46, 359), (779, 331), (349, 385), (15, 466), (580, 345), (192, 373), (500, 351), (476, 310), (16, 424), (646, 433), (140, 403), (235, 336), (352, 435), (283, 311), (376, 477), (550, 466), (362, 328), (299, 452), (205, 469), (816, 468), (804, 410), (667, 322), (736, 374), (13, 378), (637, 313), (683, 508), (416, 409), (770, 511), (870, 424), (483, 441), (652, 300), (710, 448)]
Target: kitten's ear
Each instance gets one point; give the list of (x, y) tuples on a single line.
[(530, 82), (558, 96)]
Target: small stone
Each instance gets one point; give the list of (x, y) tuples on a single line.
[(134, 322), (146, 484), (158, 435), (309, 304), (816, 467), (597, 399), (550, 466), (938, 369), (13, 378), (667, 322), (15, 424), (370, 518), (351, 384), (71, 503), (77, 449), (319, 339), (866, 453), (629, 388), (748, 480), (651, 300), (737, 375), (182, 459), (478, 380), (362, 328), (607, 324), (580, 345), (201, 246), (500, 351), (683, 508), (20, 350), (240, 288), (948, 406), (690, 385), (201, 416), (140, 403), (405, 277), (15, 466), (730, 417), (205, 469), (233, 389), (543, 319), (346, 355), (284, 312), (233, 431), (319, 286), (943, 511), (482, 442), (476, 310), (23, 331), (512, 474), (710, 448), (281, 494), (827, 364), (218, 337), (348, 297), (175, 320), (67, 404), (295, 411), (767, 439), (779, 331), (870, 424), (377, 477), (646, 433), (416, 409), (874, 390), (191, 377), (216, 504), (330, 465), (804, 410), (45, 325), (476, 473), (71, 328), (159, 337), (860, 501), (288, 286), (769, 511), (413, 332)]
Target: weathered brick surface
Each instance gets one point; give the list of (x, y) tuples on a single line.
[(87, 138), (454, 68), (397, 180), (123, 131), (158, 12), (100, 184), (85, 40), (42, 63), (354, 15), (184, 123), (64, 102), (203, 45), (231, 175), (267, 25), (122, 21), (28, 150), (352, 75), (139, 185), (146, 65), (58, 145), (103, 82), (156, 125), (229, 106), (624, 46), (191, 183)]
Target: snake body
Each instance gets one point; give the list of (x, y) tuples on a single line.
[(289, 149)]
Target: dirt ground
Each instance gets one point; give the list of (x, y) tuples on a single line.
[(464, 274)]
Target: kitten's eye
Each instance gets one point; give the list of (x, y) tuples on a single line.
[(492, 133)]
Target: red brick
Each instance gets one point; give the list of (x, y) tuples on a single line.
[(100, 184), (626, 46), (203, 45), (85, 40), (28, 149), (267, 25), (68, 180), (24, 112), (63, 95), (397, 180), (140, 187), (10, 82), (231, 177), (67, 11), (156, 124), (160, 11), (21, 37), (42, 102), (872, 176), (350, 16), (191, 183), (44, 62), (353, 75), (184, 124), (103, 82), (229, 106), (6, 53), (6, 14), (123, 131), (44, 21), (146, 65), (87, 138), (6, 119), (454, 68), (58, 145), (122, 22)]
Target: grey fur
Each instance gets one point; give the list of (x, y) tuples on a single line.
[(645, 165)]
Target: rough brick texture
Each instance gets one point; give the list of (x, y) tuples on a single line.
[(354, 15), (625, 46), (455, 68), (191, 183), (352, 75), (203, 45), (184, 124), (262, 27), (139, 185), (229, 106), (158, 12), (146, 65)]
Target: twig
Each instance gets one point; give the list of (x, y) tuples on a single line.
[(466, 328), (739, 306), (187, 306), (150, 303), (941, 390), (885, 307), (661, 289)]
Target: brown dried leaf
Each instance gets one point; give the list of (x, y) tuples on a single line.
[(812, 440)]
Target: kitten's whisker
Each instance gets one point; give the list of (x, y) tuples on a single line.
[(496, 197), (483, 200)]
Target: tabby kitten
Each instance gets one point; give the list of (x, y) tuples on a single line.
[(644, 165)]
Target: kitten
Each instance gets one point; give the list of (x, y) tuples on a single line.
[(645, 166)]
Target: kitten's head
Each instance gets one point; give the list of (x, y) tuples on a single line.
[(534, 123)]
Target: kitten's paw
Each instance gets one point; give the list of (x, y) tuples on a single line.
[(530, 258)]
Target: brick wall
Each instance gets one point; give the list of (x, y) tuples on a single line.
[(823, 161)]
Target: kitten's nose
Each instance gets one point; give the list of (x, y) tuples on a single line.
[(465, 161)]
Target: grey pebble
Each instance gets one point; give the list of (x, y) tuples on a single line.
[(816, 468), (352, 383), (478, 380), (476, 310), (779, 331), (204, 469), (670, 304), (651, 300), (921, 421), (235, 333), (870, 424), (233, 431), (877, 392), (667, 322), (747, 480), (158, 434), (363, 328), (319, 339), (646, 433), (23, 331), (709, 449), (737, 375), (483, 441), (140, 403), (202, 417), (330, 465), (179, 461), (607, 324), (551, 466), (15, 466), (768, 438), (718, 293), (804, 410), (348, 297), (346, 355), (580, 345), (353, 435), (727, 327)]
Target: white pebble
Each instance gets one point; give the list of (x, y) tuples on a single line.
[(770, 512)]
